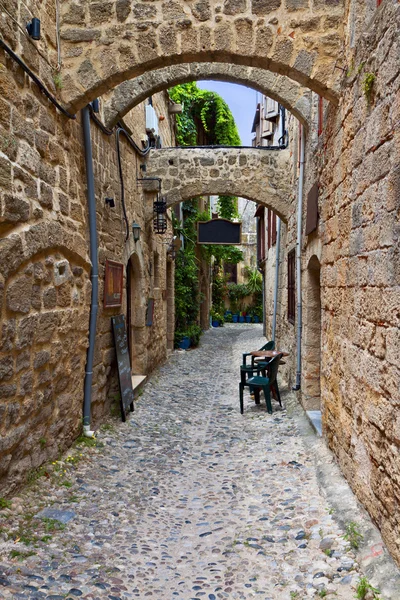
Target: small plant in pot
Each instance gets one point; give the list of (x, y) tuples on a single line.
[(182, 340), (217, 318)]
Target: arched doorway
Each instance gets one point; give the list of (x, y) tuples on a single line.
[(135, 314), (312, 338)]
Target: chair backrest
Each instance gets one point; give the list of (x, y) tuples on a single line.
[(269, 346), (273, 367)]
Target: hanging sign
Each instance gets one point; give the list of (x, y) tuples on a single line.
[(124, 366), (219, 231), (113, 284)]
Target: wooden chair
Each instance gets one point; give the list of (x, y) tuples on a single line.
[(268, 346), (266, 384)]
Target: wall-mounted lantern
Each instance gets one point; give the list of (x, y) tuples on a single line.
[(136, 229), (33, 29), (160, 216)]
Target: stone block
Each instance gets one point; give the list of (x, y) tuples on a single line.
[(264, 7), (5, 173), (15, 209), (123, 8), (292, 5), (19, 295), (201, 10), (6, 368), (234, 7)]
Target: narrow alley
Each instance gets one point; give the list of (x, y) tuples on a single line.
[(188, 499)]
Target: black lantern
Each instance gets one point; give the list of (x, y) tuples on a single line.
[(136, 229), (33, 28), (160, 216)]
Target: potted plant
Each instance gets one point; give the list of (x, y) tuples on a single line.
[(215, 318), (194, 332), (182, 340)]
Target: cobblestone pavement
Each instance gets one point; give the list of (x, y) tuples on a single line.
[(188, 499)]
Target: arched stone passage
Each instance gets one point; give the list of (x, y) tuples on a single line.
[(106, 43), (290, 94), (259, 175)]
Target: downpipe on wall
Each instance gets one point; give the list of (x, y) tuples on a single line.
[(298, 259), (87, 399), (278, 245)]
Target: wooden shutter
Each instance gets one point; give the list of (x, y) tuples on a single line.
[(291, 286), (312, 209)]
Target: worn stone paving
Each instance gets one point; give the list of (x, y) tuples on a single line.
[(188, 499)]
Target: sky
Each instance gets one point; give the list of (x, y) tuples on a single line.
[(242, 102)]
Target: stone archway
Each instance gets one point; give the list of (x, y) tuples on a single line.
[(287, 92), (301, 40), (311, 390), (136, 312), (252, 173)]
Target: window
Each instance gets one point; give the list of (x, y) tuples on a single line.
[(231, 272), (321, 113), (291, 286)]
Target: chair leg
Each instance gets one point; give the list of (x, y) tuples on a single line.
[(267, 396), (257, 395), (278, 393), (241, 397)]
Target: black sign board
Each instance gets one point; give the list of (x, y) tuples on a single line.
[(219, 231), (123, 361)]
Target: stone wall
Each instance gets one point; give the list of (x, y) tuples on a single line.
[(44, 264), (300, 39), (360, 277), (249, 173)]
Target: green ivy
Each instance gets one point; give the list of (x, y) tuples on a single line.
[(211, 109)]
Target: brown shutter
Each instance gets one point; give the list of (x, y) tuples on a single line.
[(291, 286), (312, 209)]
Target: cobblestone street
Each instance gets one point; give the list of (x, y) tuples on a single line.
[(188, 499)]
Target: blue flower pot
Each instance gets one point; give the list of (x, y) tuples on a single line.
[(248, 319), (256, 319), (241, 319), (215, 323), (184, 344), (235, 318)]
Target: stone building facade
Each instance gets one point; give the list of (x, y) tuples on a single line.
[(345, 54), (45, 287)]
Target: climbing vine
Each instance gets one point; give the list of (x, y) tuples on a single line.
[(211, 109)]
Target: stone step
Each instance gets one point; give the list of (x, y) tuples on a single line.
[(137, 380)]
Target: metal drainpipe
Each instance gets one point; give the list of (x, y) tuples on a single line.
[(87, 401), (298, 259), (278, 244)]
